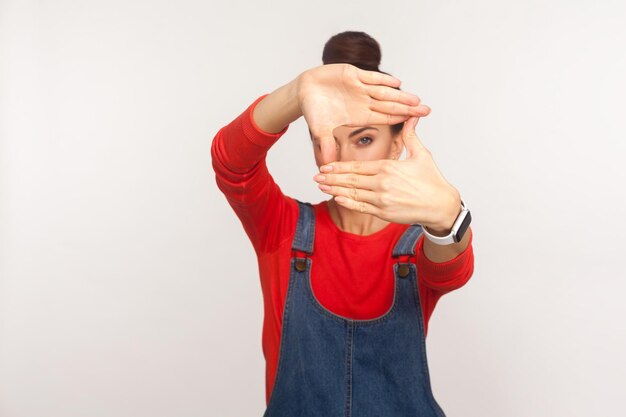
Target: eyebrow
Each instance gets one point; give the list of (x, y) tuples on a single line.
[(356, 132)]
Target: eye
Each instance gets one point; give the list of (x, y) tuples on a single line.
[(365, 137)]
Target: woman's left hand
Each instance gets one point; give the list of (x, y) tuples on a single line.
[(406, 191)]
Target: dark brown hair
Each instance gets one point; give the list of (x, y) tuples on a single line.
[(358, 49)]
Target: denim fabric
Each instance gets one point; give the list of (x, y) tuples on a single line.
[(332, 366)]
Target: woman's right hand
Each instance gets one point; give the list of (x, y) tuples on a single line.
[(335, 95)]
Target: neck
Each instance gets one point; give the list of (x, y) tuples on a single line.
[(354, 222)]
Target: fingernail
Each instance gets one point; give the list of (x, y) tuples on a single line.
[(326, 168)]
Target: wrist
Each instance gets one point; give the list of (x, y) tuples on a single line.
[(433, 230), (294, 96), (443, 227), (300, 87)]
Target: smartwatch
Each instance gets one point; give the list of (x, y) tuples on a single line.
[(459, 227)]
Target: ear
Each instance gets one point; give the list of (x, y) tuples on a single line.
[(397, 144)]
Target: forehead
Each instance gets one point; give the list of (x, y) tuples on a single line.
[(347, 131)]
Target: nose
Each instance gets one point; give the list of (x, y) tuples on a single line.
[(347, 154)]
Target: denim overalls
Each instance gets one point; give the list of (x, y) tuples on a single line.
[(332, 366)]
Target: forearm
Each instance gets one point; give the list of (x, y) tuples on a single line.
[(278, 109)]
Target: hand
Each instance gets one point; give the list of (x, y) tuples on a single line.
[(334, 95), (406, 191)]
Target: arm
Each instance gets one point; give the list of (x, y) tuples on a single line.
[(238, 153), (327, 96), (278, 109), (445, 268)]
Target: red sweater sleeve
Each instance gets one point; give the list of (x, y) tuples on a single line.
[(238, 154), (446, 276)]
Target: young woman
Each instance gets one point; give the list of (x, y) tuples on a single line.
[(349, 283)]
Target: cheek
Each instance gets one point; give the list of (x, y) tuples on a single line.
[(377, 150)]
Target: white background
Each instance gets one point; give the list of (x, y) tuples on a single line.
[(128, 286)]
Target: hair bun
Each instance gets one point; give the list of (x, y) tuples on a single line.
[(355, 48)]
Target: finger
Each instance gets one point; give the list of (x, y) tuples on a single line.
[(377, 118), (375, 77), (328, 150), (366, 182), (393, 108), (357, 167), (360, 206), (356, 194), (384, 93), (412, 143), (326, 139)]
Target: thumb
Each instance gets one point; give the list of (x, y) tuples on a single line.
[(412, 143), (328, 146)]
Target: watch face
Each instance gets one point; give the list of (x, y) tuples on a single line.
[(463, 227)]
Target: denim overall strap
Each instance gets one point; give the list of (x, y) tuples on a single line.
[(406, 244), (305, 229), (335, 366)]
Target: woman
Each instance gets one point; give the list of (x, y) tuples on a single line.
[(345, 314)]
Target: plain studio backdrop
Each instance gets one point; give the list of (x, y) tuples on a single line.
[(128, 286)]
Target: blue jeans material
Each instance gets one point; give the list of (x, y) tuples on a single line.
[(333, 366)]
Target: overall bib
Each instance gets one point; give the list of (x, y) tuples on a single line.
[(333, 366)]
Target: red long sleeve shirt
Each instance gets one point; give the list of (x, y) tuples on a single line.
[(353, 274)]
